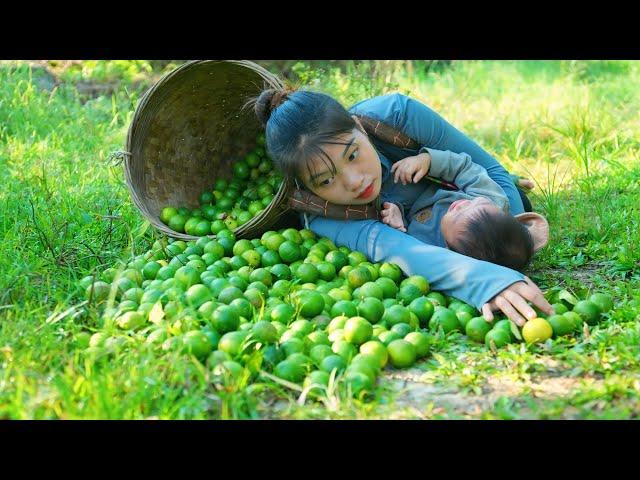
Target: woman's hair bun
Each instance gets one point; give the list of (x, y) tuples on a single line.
[(268, 101)]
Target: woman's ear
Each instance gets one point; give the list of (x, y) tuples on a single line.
[(538, 228)]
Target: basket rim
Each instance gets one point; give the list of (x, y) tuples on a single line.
[(278, 200)]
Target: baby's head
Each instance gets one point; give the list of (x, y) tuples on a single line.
[(478, 228)]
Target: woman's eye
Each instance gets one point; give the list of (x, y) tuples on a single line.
[(326, 182), (353, 155)]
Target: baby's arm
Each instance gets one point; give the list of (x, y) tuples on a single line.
[(468, 176)]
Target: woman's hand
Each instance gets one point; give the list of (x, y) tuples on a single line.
[(411, 169), (392, 216), (512, 301)]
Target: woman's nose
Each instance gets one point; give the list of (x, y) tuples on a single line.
[(353, 181)]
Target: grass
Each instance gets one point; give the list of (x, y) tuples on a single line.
[(572, 126)]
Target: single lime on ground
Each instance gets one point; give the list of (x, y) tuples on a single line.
[(402, 354), (536, 330)]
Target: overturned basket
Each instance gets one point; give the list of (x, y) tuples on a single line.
[(188, 130)]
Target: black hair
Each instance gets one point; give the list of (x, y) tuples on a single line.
[(496, 237), (297, 124)]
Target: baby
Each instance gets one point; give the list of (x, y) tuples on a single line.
[(473, 220)]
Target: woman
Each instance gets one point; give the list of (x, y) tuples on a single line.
[(322, 146)]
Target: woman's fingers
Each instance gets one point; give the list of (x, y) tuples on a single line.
[(531, 292), (520, 304), (419, 174), (503, 304), (487, 313)]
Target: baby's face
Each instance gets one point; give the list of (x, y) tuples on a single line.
[(357, 178), (454, 223)]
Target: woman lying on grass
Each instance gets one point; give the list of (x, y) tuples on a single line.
[(324, 147)]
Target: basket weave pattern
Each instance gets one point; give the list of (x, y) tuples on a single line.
[(188, 130)]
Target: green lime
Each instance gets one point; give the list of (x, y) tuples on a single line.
[(333, 362), (389, 288), (418, 281), (357, 330), (559, 308), (167, 213), (388, 336), (575, 319), (391, 271), (344, 349), (177, 222), (264, 332), (355, 258), (437, 298), (498, 337), (241, 170), (463, 318), (316, 380), (229, 294), (376, 349), (290, 251), (421, 342), (290, 371), (371, 290), (337, 258), (589, 311), (602, 300), (477, 328), (372, 309), (396, 314), (319, 352), (401, 329), (344, 307), (307, 273), (402, 354), (225, 319), (560, 325), (311, 303), (197, 343), (423, 309), (358, 383), (445, 319), (197, 295), (291, 345), (359, 276), (337, 323)]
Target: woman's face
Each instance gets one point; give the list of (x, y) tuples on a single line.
[(454, 223), (358, 173)]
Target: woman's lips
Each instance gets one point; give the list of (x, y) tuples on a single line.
[(367, 192)]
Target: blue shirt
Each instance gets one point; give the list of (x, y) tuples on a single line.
[(473, 281)]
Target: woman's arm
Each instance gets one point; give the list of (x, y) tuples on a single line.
[(474, 281), (428, 128)]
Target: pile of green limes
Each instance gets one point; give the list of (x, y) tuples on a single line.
[(230, 204), (288, 305)]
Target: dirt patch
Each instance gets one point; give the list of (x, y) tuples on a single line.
[(415, 395)]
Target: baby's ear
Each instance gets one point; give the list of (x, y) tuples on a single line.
[(538, 228)]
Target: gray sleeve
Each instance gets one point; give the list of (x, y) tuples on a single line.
[(468, 176)]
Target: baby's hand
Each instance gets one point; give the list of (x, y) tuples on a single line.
[(411, 169), (392, 216)]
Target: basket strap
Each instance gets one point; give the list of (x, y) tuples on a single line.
[(386, 133), (308, 202)]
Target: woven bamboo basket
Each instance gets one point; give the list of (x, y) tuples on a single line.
[(187, 131)]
